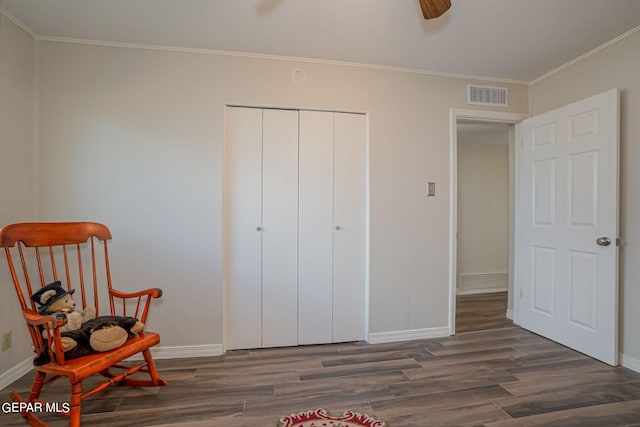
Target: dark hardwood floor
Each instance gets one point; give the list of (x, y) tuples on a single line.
[(496, 378), (480, 312)]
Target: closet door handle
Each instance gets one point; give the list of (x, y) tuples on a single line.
[(338, 228), (259, 228)]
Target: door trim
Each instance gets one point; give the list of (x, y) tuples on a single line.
[(484, 116)]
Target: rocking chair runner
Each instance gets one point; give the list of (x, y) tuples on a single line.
[(76, 254)]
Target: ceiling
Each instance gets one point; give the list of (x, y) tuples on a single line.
[(508, 39)]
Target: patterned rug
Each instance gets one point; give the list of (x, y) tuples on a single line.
[(320, 418)]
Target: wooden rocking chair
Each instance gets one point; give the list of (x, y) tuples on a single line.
[(76, 254)]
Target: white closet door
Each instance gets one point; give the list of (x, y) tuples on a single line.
[(243, 199), (315, 263), (280, 228), (349, 231)]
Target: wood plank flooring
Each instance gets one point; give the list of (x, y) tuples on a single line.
[(495, 378), (480, 312)]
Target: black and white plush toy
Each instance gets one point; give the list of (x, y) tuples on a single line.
[(84, 333)]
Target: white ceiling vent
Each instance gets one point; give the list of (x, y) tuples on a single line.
[(487, 95)]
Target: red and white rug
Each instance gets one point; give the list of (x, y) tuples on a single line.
[(320, 418)]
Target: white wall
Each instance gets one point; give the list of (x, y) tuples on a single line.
[(615, 66), (16, 168), (134, 138), (483, 206)]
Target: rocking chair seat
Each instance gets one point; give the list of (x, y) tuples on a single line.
[(83, 367)]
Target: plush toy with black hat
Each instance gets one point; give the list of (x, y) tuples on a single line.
[(84, 333), (54, 299)]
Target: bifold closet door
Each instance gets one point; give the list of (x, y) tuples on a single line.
[(261, 239), (294, 242), (349, 211), (279, 228), (315, 263), (243, 214), (332, 227)]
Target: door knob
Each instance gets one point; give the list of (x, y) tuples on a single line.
[(258, 228), (603, 241), (338, 228)]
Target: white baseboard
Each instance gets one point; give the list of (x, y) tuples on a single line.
[(408, 335), (478, 281), (16, 372), (460, 291), (184, 351), (509, 314), (629, 362), (178, 352)]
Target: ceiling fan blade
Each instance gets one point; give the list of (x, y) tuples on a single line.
[(434, 8)]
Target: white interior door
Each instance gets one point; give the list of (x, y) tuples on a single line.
[(568, 211), (315, 262), (243, 214), (349, 191), (279, 228)]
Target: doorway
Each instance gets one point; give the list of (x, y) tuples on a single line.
[(483, 211), (567, 196), (481, 277)]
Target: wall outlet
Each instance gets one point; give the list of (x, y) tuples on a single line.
[(6, 341)]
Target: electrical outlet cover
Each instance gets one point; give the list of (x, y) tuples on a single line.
[(6, 341)]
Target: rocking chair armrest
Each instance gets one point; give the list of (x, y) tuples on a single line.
[(35, 319), (51, 324), (153, 293), (142, 305)]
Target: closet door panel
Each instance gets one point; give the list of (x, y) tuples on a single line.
[(315, 263), (280, 228), (243, 195), (349, 231)]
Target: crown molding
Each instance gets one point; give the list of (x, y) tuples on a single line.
[(586, 55), (18, 22), (280, 58)]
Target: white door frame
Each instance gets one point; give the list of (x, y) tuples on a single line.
[(484, 116)]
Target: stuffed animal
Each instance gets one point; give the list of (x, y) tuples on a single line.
[(54, 299), (92, 334)]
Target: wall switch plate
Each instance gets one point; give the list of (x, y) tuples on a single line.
[(6, 341), (431, 188)]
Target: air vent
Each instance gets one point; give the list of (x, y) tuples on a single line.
[(487, 95)]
